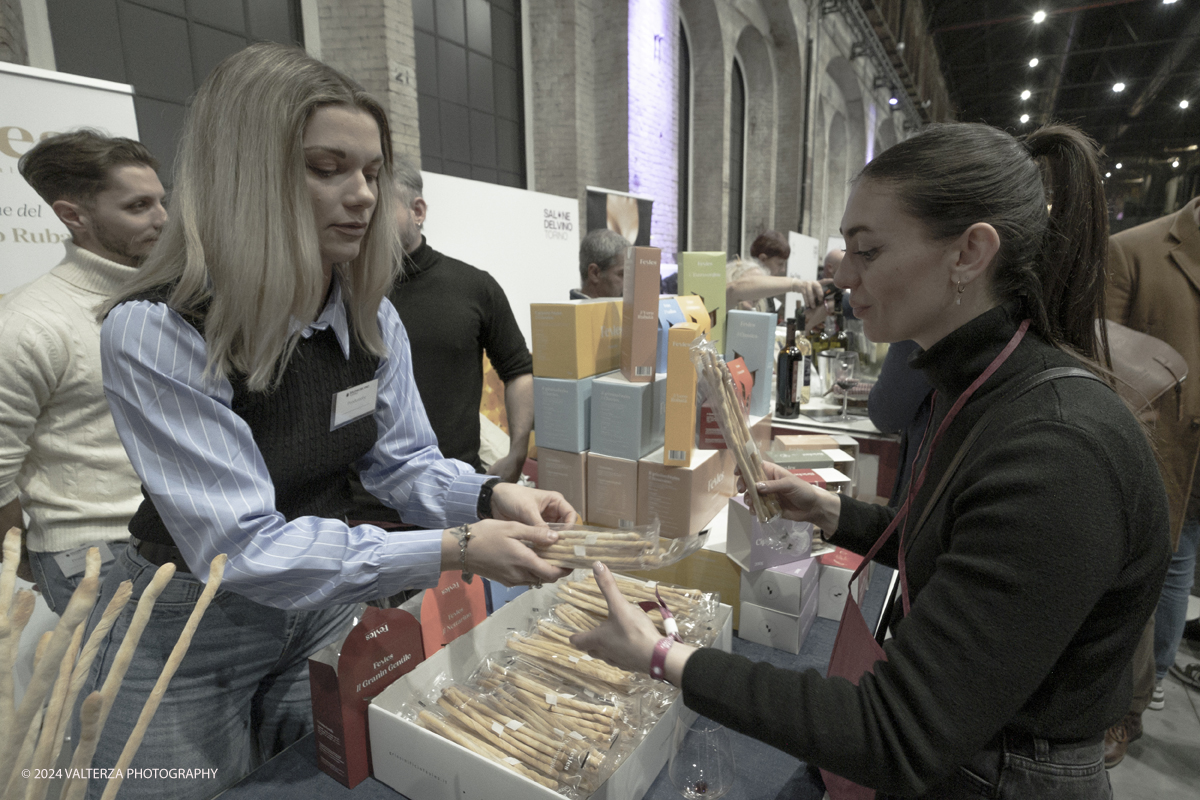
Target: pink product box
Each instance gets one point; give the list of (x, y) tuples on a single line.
[(787, 588), (754, 546), (772, 628)]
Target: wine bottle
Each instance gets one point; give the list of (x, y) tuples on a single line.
[(792, 376)]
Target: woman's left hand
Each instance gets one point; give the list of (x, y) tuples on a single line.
[(627, 638), (531, 506)]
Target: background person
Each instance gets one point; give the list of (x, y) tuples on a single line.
[(1013, 657), (601, 265), (254, 325), (60, 458)]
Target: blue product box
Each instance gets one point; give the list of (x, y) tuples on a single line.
[(625, 419), (562, 413), (669, 314), (750, 335)]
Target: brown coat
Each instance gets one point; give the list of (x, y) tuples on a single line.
[(1154, 287)]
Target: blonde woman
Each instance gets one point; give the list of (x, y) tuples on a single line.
[(249, 365)]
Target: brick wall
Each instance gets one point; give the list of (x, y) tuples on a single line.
[(12, 33), (653, 57)]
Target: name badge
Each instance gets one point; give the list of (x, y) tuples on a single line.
[(354, 404), (74, 562)]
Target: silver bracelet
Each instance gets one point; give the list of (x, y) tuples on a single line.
[(463, 532)]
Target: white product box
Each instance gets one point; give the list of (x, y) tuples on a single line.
[(424, 766), (562, 411), (750, 335), (625, 417), (786, 588), (754, 546), (772, 628), (836, 569), (846, 464), (835, 480)]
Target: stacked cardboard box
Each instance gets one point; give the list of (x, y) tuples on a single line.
[(779, 604), (703, 275), (750, 336)]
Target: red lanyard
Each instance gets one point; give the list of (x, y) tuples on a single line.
[(914, 486)]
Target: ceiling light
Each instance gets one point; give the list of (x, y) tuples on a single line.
[(1025, 95), (1118, 165), (1168, 2), (1039, 17), (1118, 87), (1108, 174), (1183, 103), (1175, 163), (893, 100), (1024, 118), (1033, 62)]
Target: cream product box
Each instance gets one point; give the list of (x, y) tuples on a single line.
[(805, 442), (755, 546), (684, 499), (566, 473), (639, 328), (562, 411), (612, 491), (801, 459), (703, 274), (679, 438), (786, 588), (576, 339), (693, 310), (421, 764), (625, 418), (708, 569), (772, 628), (669, 314), (750, 336), (835, 587)]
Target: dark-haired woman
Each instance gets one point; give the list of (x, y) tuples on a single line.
[(1033, 541)]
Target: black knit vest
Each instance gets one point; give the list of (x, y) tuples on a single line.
[(307, 462)]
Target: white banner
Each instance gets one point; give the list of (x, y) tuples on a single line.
[(803, 263), (528, 241), (40, 103)]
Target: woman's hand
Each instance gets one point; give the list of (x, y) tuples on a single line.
[(800, 499), (531, 506), (505, 552), (627, 638)]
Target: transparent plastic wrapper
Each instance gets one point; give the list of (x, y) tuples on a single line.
[(637, 548), (694, 611), (716, 386)]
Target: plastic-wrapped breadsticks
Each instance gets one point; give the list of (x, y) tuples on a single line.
[(694, 611), (716, 383), (638, 548)]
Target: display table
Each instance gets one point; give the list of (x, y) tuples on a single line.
[(762, 771)]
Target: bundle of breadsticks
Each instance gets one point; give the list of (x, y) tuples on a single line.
[(716, 385), (31, 735), (583, 606), (637, 548)]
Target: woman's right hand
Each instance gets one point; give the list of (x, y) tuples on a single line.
[(799, 499), (505, 552)]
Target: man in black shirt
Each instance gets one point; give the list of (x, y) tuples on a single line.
[(601, 265), (454, 312)]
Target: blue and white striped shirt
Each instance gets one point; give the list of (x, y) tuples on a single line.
[(200, 465)]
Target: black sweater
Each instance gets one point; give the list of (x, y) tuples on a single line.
[(453, 312), (1030, 583)]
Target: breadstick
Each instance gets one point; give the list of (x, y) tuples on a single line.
[(8, 570), (457, 736), (13, 787), (83, 666), (89, 718), (584, 602), (76, 612), (55, 711), (538, 689), (116, 673), (618, 536), (216, 570), (481, 712), (91, 568), (527, 756), (590, 668)]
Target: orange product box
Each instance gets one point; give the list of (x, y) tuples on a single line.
[(639, 329), (806, 442), (694, 312), (680, 436), (576, 339)]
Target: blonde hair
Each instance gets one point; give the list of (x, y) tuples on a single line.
[(738, 267), (241, 247)]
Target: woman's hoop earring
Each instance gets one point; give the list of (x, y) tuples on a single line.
[(958, 300)]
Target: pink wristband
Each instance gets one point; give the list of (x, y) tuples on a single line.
[(658, 658)]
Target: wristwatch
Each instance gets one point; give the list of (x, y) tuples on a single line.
[(463, 532), (483, 508)]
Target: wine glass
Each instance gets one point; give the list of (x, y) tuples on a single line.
[(702, 767), (843, 377)]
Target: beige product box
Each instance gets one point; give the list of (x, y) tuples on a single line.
[(679, 439), (708, 569), (612, 491), (639, 330), (576, 339), (684, 499), (421, 764), (703, 274), (565, 473), (805, 442)]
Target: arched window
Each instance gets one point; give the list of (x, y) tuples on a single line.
[(737, 157), (685, 138)]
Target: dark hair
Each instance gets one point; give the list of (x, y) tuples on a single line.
[(770, 244), (75, 166), (1045, 198)]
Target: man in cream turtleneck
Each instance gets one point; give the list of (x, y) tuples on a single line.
[(60, 458)]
